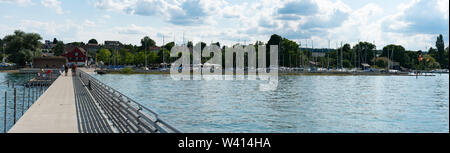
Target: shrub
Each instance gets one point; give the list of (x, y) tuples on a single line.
[(127, 71), (382, 62)]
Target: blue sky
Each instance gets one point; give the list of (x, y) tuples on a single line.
[(411, 23)]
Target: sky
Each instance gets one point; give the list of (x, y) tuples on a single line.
[(414, 24)]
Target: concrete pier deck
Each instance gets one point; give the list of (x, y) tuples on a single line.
[(54, 112), (82, 104)]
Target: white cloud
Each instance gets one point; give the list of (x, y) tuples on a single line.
[(443, 7), (420, 16), (250, 21), (89, 23), (106, 16), (178, 12), (18, 2), (54, 4)]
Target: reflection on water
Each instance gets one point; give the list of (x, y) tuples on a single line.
[(300, 104)]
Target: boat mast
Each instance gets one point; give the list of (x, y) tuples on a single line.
[(341, 56), (328, 55)]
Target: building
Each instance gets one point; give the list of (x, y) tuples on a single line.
[(49, 62), (317, 52), (91, 50), (112, 45), (47, 46), (77, 56), (154, 49)]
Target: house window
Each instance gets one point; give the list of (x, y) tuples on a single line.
[(76, 53)]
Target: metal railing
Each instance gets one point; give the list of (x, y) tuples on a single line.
[(126, 115)]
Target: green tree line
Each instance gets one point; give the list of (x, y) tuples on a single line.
[(20, 47)]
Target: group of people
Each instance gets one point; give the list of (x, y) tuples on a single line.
[(73, 67), (48, 73), (44, 74)]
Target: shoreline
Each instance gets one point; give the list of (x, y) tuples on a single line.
[(290, 73), (114, 72), (9, 71)]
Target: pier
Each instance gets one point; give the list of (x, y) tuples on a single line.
[(80, 103)]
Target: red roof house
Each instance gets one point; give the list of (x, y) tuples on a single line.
[(77, 56)]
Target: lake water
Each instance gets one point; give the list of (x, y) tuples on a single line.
[(300, 103), (18, 80)]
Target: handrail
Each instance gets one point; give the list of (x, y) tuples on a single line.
[(158, 123)]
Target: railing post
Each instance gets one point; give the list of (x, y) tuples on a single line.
[(15, 103), (6, 101), (89, 85), (40, 90), (28, 98), (34, 92), (23, 100)]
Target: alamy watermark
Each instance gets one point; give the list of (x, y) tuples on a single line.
[(256, 67)]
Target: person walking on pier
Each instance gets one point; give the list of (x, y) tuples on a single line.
[(74, 69), (66, 69)]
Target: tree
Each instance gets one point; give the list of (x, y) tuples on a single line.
[(117, 57), (147, 42), (381, 62), (440, 57), (152, 58), (160, 55), (76, 44), (413, 58), (55, 40), (169, 45), (1, 47), (139, 58), (105, 55), (446, 61), (396, 53), (20, 44), (23, 56), (217, 44), (430, 62), (203, 45), (129, 58), (363, 52), (92, 41), (190, 44), (346, 55), (132, 48), (290, 50), (274, 40), (58, 49), (432, 52)]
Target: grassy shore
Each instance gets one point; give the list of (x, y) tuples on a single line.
[(9, 71), (130, 73)]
